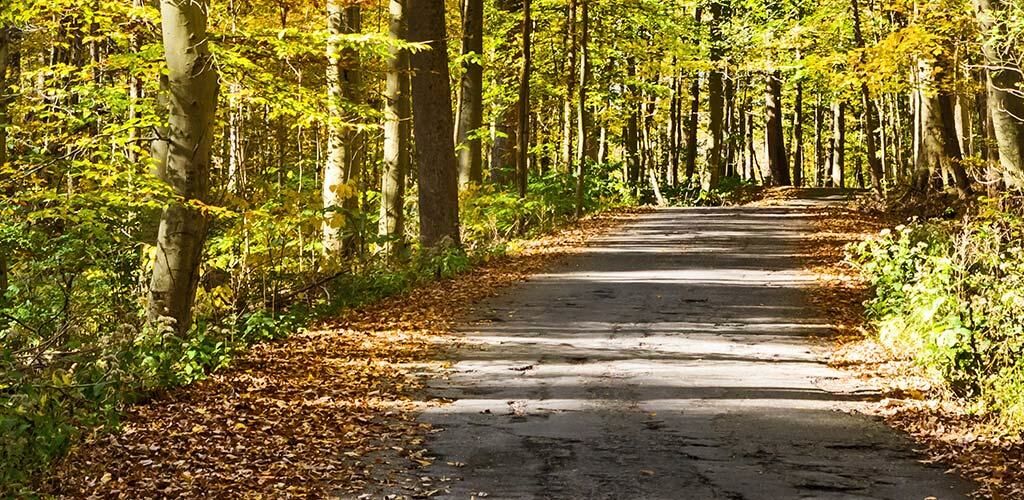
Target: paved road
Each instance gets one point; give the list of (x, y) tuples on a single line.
[(670, 360)]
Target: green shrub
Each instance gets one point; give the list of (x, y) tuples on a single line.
[(951, 294)]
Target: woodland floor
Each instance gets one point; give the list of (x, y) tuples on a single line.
[(675, 353)]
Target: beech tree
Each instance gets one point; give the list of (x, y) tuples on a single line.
[(182, 153), (471, 94), (396, 137)]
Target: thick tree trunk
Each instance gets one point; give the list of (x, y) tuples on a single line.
[(396, 139), (778, 164), (953, 154), (433, 126), (940, 150), (523, 134), (584, 110), (838, 161), (1005, 93), (471, 107), (184, 148)]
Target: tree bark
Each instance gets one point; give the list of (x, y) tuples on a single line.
[(471, 110), (838, 161), (716, 97), (819, 147), (584, 110), (523, 134), (433, 126), (6, 43), (341, 170), (798, 136), (184, 147), (673, 127), (778, 164), (870, 116), (396, 139), (1005, 85), (570, 87)]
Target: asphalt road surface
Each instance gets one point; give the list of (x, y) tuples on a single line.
[(670, 360)]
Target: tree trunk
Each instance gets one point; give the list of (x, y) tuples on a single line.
[(691, 128), (716, 98), (183, 161), (838, 162), (584, 110), (471, 110), (778, 164), (1005, 97), (433, 126), (798, 136), (6, 42), (396, 139), (523, 134), (340, 193), (673, 128), (819, 147), (870, 117), (570, 86)]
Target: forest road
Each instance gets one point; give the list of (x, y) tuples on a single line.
[(671, 359)]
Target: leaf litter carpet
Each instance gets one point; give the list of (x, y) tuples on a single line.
[(322, 413)]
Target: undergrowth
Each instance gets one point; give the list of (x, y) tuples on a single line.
[(950, 294), (74, 346)]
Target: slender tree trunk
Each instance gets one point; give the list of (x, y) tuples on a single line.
[(838, 162), (584, 110), (523, 135), (570, 88), (6, 48), (987, 141), (716, 101), (819, 147), (673, 128), (341, 171), (691, 128), (798, 136), (433, 126), (869, 117), (184, 161), (633, 128), (728, 134), (471, 107), (396, 139), (899, 158), (1005, 97), (778, 164)]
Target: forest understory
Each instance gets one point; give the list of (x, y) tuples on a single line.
[(330, 411), (974, 445)]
